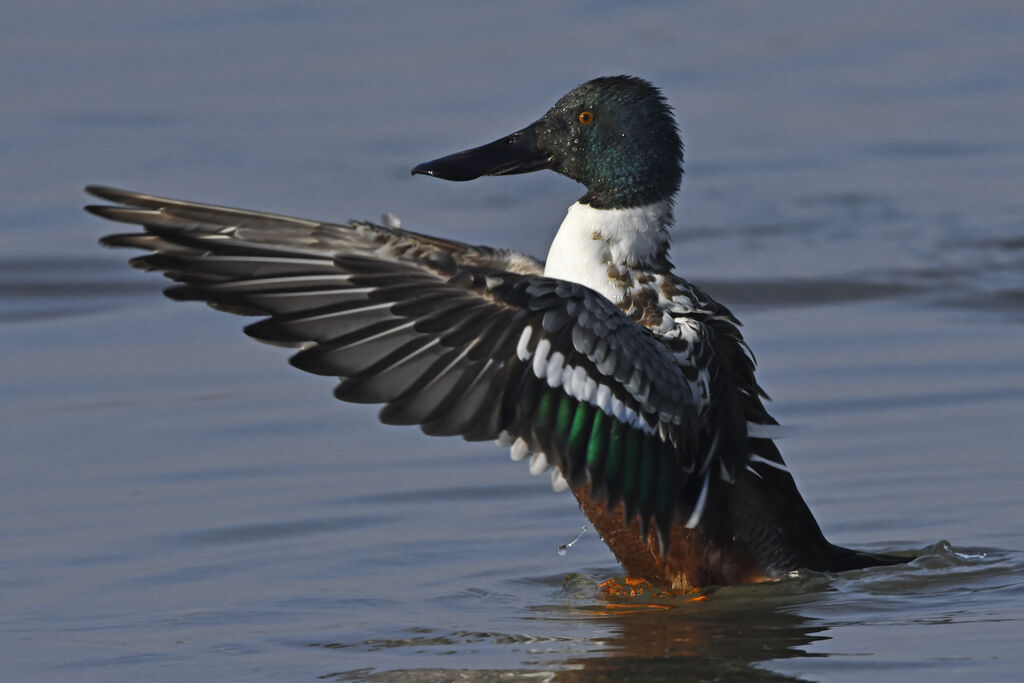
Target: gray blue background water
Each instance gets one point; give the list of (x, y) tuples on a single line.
[(176, 503)]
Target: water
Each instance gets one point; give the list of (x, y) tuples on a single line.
[(179, 504)]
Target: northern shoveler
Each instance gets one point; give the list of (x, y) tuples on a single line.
[(631, 383)]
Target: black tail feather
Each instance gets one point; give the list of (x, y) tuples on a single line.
[(845, 559)]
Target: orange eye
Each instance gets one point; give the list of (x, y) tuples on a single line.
[(585, 117)]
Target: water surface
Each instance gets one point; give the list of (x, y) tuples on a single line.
[(179, 504)]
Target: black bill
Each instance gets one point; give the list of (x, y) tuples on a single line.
[(515, 153)]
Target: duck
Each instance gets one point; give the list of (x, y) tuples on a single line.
[(632, 385)]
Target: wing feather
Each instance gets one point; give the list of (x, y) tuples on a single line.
[(457, 339)]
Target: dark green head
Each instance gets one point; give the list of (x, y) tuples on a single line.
[(616, 135)]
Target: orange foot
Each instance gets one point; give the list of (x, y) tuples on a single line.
[(630, 590)]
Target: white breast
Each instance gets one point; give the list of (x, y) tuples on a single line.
[(590, 240)]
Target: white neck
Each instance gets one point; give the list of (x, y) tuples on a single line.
[(593, 244)]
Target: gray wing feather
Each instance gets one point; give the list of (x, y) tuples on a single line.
[(300, 236)]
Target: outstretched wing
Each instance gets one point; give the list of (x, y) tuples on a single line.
[(276, 231), (457, 339)]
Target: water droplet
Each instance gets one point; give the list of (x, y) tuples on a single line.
[(563, 549)]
